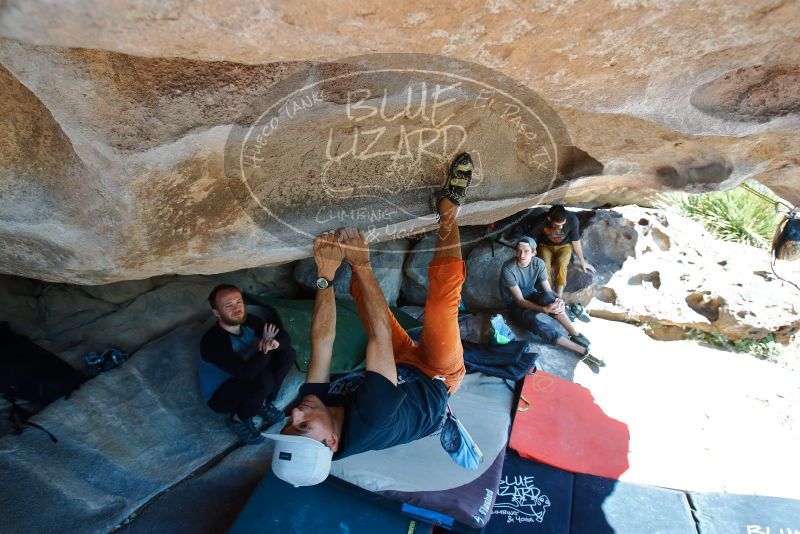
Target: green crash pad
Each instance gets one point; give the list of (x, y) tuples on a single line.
[(351, 340)]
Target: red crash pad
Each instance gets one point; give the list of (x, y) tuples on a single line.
[(558, 423)]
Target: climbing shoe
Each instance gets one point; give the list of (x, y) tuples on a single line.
[(579, 312), (270, 415), (581, 340), (459, 176), (245, 430), (591, 358), (105, 361)]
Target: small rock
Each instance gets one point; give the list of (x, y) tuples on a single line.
[(482, 288)]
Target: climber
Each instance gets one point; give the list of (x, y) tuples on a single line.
[(402, 396), (244, 360), (558, 234), (526, 290)]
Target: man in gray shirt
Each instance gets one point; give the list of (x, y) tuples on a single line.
[(525, 288)]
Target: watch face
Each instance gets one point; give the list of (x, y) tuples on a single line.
[(322, 283)]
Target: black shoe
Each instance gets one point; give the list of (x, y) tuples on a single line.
[(459, 176), (591, 358), (270, 414), (581, 340), (246, 430)]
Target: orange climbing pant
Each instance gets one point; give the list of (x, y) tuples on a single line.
[(439, 352)]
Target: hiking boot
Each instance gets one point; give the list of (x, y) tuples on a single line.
[(245, 430), (459, 176), (591, 358), (270, 414), (579, 312), (581, 340)]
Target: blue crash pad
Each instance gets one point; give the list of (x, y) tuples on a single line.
[(532, 498), (605, 506), (276, 506), (724, 513)]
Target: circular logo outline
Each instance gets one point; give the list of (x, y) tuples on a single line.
[(555, 175)]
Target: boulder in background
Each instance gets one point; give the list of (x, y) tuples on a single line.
[(387, 264), (415, 269), (680, 277)]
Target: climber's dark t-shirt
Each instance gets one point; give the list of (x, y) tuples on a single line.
[(378, 414)]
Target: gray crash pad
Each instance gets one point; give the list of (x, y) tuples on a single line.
[(124, 437), (483, 404), (721, 513)]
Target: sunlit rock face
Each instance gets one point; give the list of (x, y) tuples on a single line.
[(678, 277), (124, 129)]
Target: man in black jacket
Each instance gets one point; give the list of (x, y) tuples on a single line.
[(244, 360)]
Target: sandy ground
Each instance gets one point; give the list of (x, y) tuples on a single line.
[(699, 418)]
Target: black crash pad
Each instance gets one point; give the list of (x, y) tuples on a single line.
[(276, 506), (537, 498), (605, 506), (532, 498)]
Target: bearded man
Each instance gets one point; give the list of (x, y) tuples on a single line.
[(244, 360)]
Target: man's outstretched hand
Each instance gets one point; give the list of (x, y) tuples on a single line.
[(328, 255), (355, 246), (268, 341)]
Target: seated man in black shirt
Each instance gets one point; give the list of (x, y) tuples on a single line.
[(244, 360), (558, 234), (402, 396)]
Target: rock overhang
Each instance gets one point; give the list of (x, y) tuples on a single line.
[(145, 130)]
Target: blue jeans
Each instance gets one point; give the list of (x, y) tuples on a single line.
[(535, 321)]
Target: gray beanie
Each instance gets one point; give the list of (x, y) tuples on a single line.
[(529, 240)]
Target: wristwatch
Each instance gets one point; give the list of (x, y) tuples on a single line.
[(323, 283)]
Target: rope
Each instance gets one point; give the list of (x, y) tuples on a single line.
[(779, 277), (763, 196)]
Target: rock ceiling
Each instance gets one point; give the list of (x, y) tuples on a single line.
[(116, 118)]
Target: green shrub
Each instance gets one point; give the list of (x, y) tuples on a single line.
[(765, 348), (735, 215)]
